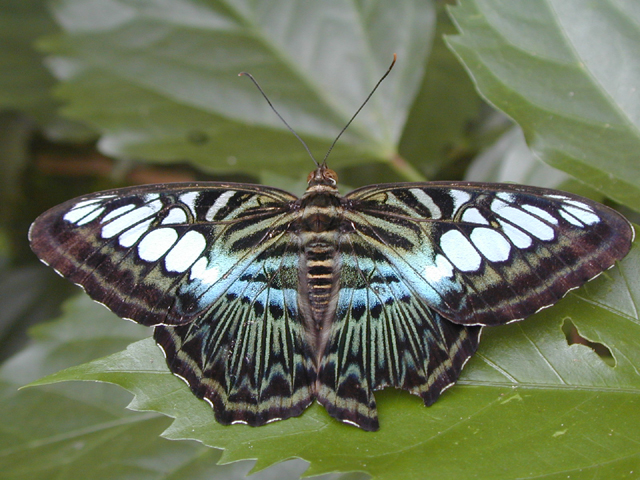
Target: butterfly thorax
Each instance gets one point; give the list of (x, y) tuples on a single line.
[(320, 219)]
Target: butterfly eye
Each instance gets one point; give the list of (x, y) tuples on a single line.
[(331, 176)]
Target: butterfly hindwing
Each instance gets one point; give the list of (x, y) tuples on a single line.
[(248, 355), (385, 335), (488, 254)]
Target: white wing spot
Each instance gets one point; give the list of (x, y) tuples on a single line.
[(156, 243), (571, 219), (176, 215), (585, 217), (185, 252), (507, 197), (578, 204), (81, 210), (189, 199), (150, 197), (91, 201), (442, 269), (131, 236), (220, 203), (117, 212), (92, 216), (558, 197), (473, 215), (206, 275), (541, 213), (517, 236), (459, 198), (460, 251), (427, 201), (491, 244), (524, 220), (130, 219), (84, 203)]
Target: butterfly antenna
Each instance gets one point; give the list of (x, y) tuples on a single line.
[(246, 74), (324, 160)]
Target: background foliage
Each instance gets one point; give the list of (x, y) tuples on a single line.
[(102, 93)]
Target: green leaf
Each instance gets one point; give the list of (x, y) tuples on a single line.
[(25, 81), (159, 79), (436, 132), (509, 159), (566, 71), (527, 395)]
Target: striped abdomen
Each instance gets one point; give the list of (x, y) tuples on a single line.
[(319, 276)]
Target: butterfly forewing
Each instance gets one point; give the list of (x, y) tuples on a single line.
[(160, 254), (487, 254)]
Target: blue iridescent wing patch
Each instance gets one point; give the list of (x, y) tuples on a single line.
[(264, 302)]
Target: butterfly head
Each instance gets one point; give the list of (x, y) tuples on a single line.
[(322, 176)]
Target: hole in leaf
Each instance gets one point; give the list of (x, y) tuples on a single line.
[(573, 337)]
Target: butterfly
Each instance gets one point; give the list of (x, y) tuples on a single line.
[(264, 302)]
